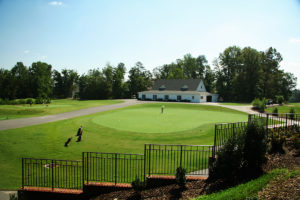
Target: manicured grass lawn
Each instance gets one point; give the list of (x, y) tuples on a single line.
[(286, 108), (235, 104), (175, 118), (56, 106), (103, 133), (246, 190)]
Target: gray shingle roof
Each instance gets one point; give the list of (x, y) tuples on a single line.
[(177, 84)]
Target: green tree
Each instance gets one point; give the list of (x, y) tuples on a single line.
[(20, 77), (118, 81), (41, 80), (140, 79)]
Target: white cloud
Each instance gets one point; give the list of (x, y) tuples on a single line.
[(295, 40), (26, 51), (56, 3)]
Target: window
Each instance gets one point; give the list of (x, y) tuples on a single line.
[(143, 97), (201, 97), (155, 97), (166, 97), (193, 97)]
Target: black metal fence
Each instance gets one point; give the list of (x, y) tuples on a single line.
[(113, 167), (277, 121), (163, 159), (280, 122), (66, 174), (224, 131)]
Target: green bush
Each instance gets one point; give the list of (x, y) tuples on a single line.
[(242, 156), (47, 100), (259, 105), (280, 99), (292, 113), (137, 185), (39, 100), (14, 102), (30, 101), (180, 176), (276, 141), (22, 101), (275, 111)]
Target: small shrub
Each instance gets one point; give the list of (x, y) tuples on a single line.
[(276, 141), (292, 113), (180, 176), (259, 105), (48, 101), (280, 100), (296, 139), (137, 185), (275, 111), (22, 101), (39, 100), (30, 101), (14, 102)]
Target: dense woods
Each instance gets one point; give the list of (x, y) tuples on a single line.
[(237, 75)]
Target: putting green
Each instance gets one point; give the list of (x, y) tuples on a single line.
[(175, 118)]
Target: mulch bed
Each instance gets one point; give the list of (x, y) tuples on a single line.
[(173, 191), (277, 189)]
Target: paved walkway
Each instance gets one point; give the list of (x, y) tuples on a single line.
[(4, 195), (18, 123)]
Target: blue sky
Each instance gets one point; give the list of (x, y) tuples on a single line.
[(86, 34)]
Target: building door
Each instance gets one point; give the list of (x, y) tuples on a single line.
[(143, 97), (178, 98), (166, 97), (154, 97), (208, 98)]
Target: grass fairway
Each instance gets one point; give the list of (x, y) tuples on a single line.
[(47, 140), (286, 108), (56, 106)]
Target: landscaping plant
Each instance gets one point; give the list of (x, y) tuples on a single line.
[(242, 156), (180, 176), (275, 111), (280, 100)]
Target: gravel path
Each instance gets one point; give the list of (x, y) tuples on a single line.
[(18, 123)]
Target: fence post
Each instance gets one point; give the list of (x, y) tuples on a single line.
[(149, 152), (267, 124), (286, 121), (116, 165), (87, 168), (180, 155), (52, 170), (22, 173), (215, 139), (82, 169), (145, 163)]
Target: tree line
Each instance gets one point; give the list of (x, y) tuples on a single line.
[(238, 75)]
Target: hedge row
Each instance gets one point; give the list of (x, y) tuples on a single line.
[(25, 101)]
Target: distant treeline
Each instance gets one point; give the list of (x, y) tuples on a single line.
[(238, 75)]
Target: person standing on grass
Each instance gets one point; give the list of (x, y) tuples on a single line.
[(79, 132), (162, 109)]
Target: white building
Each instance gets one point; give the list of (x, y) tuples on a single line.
[(186, 90)]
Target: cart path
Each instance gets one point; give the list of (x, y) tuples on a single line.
[(23, 122)]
